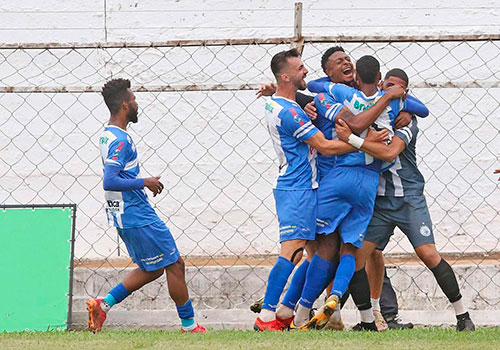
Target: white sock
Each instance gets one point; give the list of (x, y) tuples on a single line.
[(459, 307), (284, 312), (267, 315), (189, 328), (302, 315), (375, 304), (336, 316), (105, 306), (367, 315)]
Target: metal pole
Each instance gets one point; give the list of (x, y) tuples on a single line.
[(298, 42)]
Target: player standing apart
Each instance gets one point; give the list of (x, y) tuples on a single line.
[(147, 238)]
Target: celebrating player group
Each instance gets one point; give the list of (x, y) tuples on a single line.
[(346, 180)]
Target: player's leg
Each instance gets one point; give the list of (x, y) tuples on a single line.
[(389, 306), (417, 226), (321, 271), (296, 212), (375, 268), (285, 312)]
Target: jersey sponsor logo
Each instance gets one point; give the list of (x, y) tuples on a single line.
[(103, 140), (425, 230), (269, 107), (114, 206), (321, 97), (296, 116), (117, 151), (361, 106)]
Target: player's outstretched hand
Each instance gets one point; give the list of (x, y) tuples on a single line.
[(343, 130), (377, 136), (266, 90), (497, 172), (154, 184), (310, 109), (396, 91), (402, 120)]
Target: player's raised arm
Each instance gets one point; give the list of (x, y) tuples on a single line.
[(360, 122), (378, 150)]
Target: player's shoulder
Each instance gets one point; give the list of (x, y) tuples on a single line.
[(116, 135), (287, 107)]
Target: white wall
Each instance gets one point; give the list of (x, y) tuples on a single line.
[(48, 142)]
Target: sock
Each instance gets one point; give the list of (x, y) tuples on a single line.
[(267, 315), (284, 312), (275, 284), (186, 314), (336, 316), (295, 288), (301, 315), (447, 281), (459, 307), (360, 290), (375, 304), (115, 296), (367, 315), (344, 274), (316, 280)]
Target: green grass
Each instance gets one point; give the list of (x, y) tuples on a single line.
[(416, 339)]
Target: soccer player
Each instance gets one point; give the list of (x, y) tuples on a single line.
[(347, 193), (295, 141), (401, 202), (147, 238)]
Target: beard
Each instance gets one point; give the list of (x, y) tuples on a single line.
[(132, 115)]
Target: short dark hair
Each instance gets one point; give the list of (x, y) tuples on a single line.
[(280, 59), (328, 53), (398, 73), (367, 68), (114, 93)]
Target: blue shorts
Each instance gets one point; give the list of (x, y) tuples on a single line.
[(151, 247), (409, 213), (296, 211), (346, 199)]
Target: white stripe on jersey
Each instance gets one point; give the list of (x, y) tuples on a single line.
[(381, 186), (305, 131), (272, 125), (396, 180), (300, 131), (331, 112), (407, 131), (131, 165), (311, 157)]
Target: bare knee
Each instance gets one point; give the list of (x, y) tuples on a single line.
[(429, 255), (177, 267)]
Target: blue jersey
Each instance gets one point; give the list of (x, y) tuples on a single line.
[(357, 102), (289, 126), (125, 209), (327, 109)]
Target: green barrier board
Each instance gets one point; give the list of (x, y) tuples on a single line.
[(35, 265)]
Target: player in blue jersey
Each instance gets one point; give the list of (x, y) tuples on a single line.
[(295, 193), (147, 238), (347, 194), (400, 202), (337, 65)]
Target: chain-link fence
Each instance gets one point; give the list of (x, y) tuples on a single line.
[(201, 128)]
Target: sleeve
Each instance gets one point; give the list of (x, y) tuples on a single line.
[(414, 106), (408, 132), (340, 92), (297, 124), (319, 85), (112, 182), (327, 106), (117, 153), (302, 99)]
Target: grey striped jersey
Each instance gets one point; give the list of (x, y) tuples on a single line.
[(404, 178)]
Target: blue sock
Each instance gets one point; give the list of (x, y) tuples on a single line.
[(186, 313), (276, 282), (346, 268), (116, 295), (316, 279), (296, 286)]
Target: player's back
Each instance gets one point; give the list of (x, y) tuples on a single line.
[(125, 209), (289, 127)]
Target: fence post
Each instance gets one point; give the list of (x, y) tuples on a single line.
[(298, 39)]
